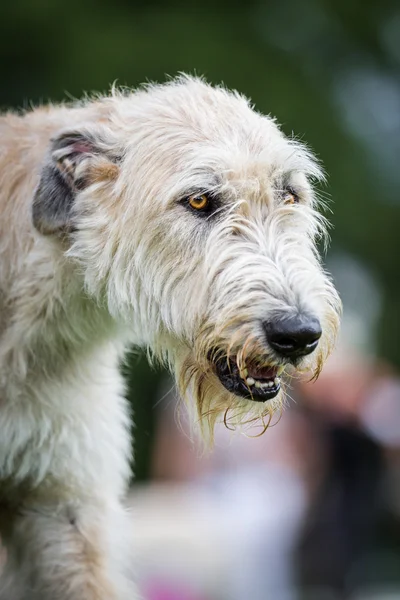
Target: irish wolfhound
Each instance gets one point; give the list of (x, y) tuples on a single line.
[(177, 219)]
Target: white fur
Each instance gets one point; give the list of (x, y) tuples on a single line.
[(135, 267)]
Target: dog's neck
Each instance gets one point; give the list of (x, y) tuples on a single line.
[(55, 325)]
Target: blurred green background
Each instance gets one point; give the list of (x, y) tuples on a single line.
[(329, 70)]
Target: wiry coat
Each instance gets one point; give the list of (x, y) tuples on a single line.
[(98, 250)]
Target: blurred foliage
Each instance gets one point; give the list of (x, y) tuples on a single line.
[(327, 69), (144, 391)]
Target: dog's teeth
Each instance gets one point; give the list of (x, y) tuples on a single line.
[(258, 384), (277, 381), (250, 381), (271, 384), (280, 370)]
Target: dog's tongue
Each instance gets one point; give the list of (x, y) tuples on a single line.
[(262, 372)]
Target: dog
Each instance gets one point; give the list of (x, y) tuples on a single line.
[(174, 218)]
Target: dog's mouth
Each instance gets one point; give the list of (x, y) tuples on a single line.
[(253, 383)]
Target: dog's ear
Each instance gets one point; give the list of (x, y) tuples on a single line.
[(76, 159)]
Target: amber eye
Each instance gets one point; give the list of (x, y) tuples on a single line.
[(290, 197), (199, 201)]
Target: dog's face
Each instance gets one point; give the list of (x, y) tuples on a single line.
[(195, 218)]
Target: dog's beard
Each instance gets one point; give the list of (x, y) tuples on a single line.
[(202, 385), (211, 402)]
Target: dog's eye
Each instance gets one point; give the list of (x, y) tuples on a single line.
[(199, 201), (290, 197)]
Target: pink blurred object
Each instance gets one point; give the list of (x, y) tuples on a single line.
[(163, 590)]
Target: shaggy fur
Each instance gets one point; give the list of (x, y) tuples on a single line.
[(99, 250)]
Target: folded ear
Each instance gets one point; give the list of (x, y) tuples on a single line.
[(74, 159)]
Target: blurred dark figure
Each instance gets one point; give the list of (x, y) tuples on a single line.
[(342, 521), (345, 513)]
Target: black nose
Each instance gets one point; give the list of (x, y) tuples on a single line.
[(293, 336)]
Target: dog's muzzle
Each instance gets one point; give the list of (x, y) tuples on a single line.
[(290, 338), (254, 383)]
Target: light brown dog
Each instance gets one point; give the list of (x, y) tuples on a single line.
[(175, 218)]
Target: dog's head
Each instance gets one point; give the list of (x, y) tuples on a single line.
[(195, 220)]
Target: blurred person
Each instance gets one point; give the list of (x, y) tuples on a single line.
[(353, 421)]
